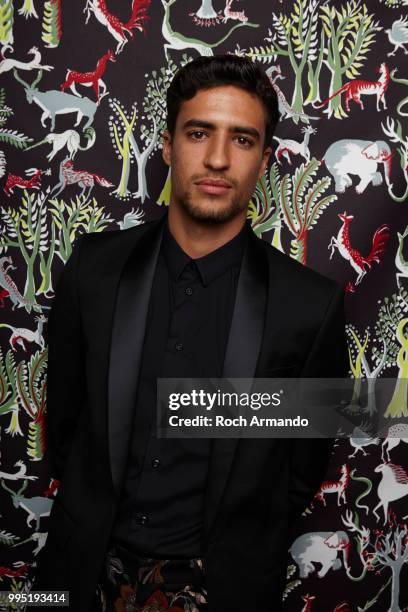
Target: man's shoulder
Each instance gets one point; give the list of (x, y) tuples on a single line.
[(122, 236), (293, 273)]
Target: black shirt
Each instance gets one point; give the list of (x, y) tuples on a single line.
[(160, 512)]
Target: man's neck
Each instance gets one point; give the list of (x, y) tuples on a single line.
[(198, 239)]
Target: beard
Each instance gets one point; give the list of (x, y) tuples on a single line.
[(219, 213)]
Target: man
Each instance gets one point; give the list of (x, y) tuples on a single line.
[(176, 522)]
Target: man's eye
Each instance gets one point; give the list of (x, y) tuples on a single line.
[(197, 134), (244, 141)]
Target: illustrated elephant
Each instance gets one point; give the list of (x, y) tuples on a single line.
[(359, 157), (320, 547)]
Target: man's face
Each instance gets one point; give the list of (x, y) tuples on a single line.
[(216, 153)]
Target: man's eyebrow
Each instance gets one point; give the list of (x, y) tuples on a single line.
[(237, 129)]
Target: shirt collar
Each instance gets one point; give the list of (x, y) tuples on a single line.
[(211, 265)]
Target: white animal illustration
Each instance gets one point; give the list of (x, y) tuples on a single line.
[(9, 63), (358, 443), (21, 473), (393, 486), (396, 433), (288, 146), (320, 547), (70, 138), (400, 262), (398, 35), (20, 335), (360, 158)]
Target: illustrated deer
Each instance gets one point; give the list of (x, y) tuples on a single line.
[(8, 63), (36, 507), (90, 79), (13, 180), (238, 15), (288, 146), (20, 335), (54, 102)]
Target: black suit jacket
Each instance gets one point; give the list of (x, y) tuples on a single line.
[(288, 321)]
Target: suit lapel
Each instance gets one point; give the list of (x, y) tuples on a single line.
[(129, 323), (243, 348)]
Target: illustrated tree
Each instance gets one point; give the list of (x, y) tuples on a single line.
[(11, 137), (6, 21), (31, 386), (350, 32), (26, 229), (153, 122), (294, 36), (70, 220), (51, 23), (206, 14), (379, 549), (264, 210), (370, 358), (301, 209), (28, 9), (8, 392)]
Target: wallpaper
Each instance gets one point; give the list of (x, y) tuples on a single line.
[(82, 109)]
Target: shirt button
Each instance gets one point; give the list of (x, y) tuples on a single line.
[(189, 291), (179, 346), (155, 463), (142, 519)]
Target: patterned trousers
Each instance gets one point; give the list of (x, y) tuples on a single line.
[(137, 584)]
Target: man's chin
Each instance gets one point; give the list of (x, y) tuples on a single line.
[(209, 213)]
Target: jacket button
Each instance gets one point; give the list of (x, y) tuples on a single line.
[(189, 291), (179, 346), (155, 463)]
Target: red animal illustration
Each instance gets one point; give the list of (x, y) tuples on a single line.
[(359, 262), (358, 87), (90, 79), (335, 486), (13, 180), (85, 179), (14, 573), (118, 29), (308, 599)]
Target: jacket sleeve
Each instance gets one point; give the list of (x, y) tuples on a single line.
[(328, 358), (65, 373)]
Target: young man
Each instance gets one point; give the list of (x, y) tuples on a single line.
[(175, 521)]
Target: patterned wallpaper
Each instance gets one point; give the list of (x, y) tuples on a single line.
[(82, 108)]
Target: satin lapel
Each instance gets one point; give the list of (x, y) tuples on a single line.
[(243, 348), (129, 322)]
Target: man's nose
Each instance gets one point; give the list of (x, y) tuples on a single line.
[(217, 153)]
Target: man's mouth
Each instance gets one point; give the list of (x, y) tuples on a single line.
[(214, 186)]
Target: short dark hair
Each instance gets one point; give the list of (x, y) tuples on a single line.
[(217, 71)]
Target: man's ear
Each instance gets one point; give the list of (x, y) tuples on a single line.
[(265, 159), (166, 151)]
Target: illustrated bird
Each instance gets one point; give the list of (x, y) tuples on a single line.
[(398, 35)]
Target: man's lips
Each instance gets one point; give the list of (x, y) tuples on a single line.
[(214, 186)]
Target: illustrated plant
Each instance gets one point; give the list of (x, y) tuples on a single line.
[(294, 36), (350, 32), (31, 386), (302, 203), (51, 23)]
